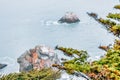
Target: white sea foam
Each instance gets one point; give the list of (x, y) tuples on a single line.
[(51, 23)]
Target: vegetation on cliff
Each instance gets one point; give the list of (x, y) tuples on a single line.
[(107, 68), (110, 25), (78, 64), (107, 22), (115, 16), (44, 74)]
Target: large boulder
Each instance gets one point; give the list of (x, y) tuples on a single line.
[(38, 58), (69, 17), (2, 66)]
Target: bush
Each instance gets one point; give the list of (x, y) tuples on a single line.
[(45, 74), (117, 6), (115, 16)]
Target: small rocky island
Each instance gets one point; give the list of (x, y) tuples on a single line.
[(69, 17)]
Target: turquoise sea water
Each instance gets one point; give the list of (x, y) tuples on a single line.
[(27, 23)]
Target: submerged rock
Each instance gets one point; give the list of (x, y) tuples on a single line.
[(2, 66), (69, 17), (38, 58)]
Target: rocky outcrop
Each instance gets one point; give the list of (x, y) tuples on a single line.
[(69, 17), (38, 58), (2, 66)]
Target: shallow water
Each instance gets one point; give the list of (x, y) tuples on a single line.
[(27, 23)]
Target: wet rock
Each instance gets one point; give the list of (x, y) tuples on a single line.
[(69, 17), (2, 66), (38, 58)]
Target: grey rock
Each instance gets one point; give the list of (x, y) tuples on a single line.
[(69, 17)]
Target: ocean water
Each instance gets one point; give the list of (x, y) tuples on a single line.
[(27, 23)]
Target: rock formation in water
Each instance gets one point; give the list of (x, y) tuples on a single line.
[(38, 58), (69, 17), (2, 66)]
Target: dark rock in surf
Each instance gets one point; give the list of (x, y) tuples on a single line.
[(2, 66)]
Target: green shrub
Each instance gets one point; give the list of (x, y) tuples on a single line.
[(115, 16), (117, 6), (107, 68), (45, 74)]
